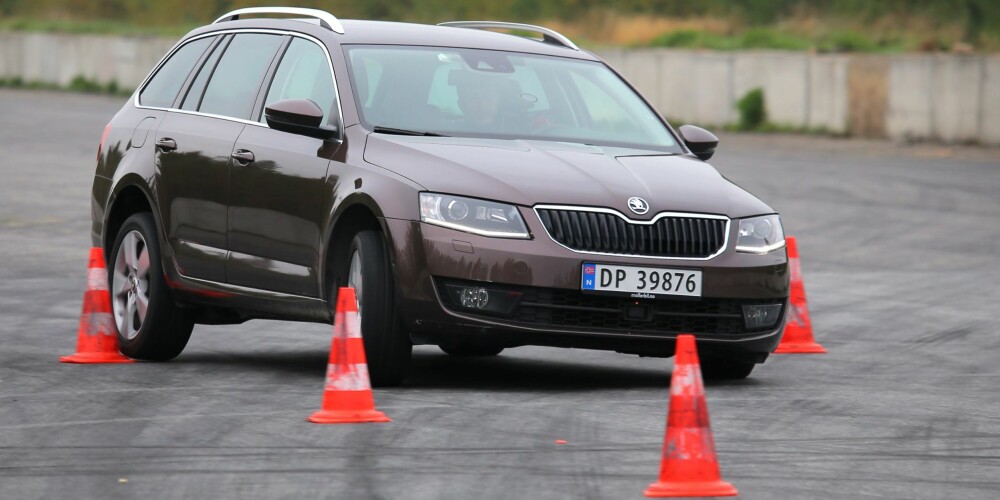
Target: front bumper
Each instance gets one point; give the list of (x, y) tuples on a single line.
[(553, 312)]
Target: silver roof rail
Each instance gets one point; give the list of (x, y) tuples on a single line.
[(326, 19), (548, 36)]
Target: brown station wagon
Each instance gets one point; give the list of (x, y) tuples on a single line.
[(479, 190)]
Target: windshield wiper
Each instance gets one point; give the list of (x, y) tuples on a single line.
[(402, 131)]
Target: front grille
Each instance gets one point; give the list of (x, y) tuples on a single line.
[(572, 309), (603, 232)]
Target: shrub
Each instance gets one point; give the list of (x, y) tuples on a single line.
[(80, 83), (753, 113)]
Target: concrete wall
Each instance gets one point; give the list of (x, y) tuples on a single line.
[(58, 58), (800, 90), (952, 98), (946, 97)]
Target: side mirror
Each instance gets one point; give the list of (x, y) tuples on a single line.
[(700, 141), (298, 116)]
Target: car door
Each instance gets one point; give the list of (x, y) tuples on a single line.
[(194, 144), (183, 165), (280, 190)]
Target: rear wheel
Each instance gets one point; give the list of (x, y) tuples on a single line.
[(726, 368), (150, 325), (471, 349), (387, 344)]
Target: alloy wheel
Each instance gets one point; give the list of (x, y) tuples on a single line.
[(130, 284)]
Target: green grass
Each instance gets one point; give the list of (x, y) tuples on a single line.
[(78, 84), (776, 39)]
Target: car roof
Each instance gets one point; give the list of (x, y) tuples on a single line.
[(361, 32)]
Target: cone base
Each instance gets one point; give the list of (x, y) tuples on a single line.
[(800, 348), (93, 358), (347, 417), (718, 488)]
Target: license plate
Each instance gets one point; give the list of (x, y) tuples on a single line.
[(641, 282)]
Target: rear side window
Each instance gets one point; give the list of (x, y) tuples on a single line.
[(162, 89), (233, 87), (304, 73)]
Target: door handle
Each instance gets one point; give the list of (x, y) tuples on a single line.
[(243, 156), (166, 144)]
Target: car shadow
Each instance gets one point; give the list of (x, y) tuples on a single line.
[(508, 371), (304, 363), (512, 372), (430, 370)]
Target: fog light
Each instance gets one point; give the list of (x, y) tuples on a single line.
[(476, 298), (485, 300), (761, 316)]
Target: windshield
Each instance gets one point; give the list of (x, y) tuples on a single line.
[(504, 95)]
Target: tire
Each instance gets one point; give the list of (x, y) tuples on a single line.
[(726, 368), (471, 350), (135, 274), (387, 345)]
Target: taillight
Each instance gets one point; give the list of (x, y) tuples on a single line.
[(104, 137)]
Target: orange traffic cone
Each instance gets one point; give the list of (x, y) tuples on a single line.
[(97, 337), (347, 396), (798, 336), (689, 467)]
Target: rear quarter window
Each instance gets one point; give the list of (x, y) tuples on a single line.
[(163, 87)]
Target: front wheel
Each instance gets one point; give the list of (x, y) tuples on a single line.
[(387, 344), (150, 325)]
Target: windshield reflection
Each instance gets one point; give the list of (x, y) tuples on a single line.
[(503, 95)]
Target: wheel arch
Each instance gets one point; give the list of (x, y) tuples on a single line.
[(357, 212), (130, 196)]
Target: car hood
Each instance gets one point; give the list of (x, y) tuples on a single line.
[(542, 172)]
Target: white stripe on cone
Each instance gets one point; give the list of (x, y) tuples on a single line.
[(98, 323), (347, 378), (353, 325), (795, 316), (686, 378), (350, 328), (796, 269), (97, 279)]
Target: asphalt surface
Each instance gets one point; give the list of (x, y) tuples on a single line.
[(901, 259)]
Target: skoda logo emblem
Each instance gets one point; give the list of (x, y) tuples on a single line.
[(638, 205)]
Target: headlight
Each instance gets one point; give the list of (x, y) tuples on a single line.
[(482, 217), (760, 235)]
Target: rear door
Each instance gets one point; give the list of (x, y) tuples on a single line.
[(280, 191), (194, 144)]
